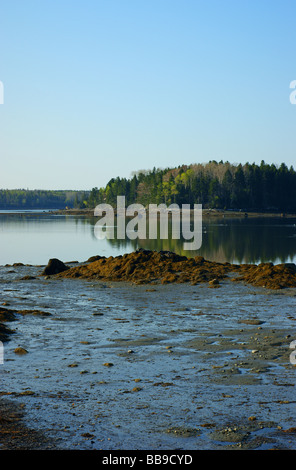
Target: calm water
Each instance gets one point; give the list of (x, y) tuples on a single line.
[(165, 343), (34, 238)]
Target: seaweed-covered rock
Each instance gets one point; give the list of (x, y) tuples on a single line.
[(94, 258), (269, 275), (145, 266)]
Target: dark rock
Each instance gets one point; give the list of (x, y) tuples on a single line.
[(55, 266), (7, 315), (5, 332), (93, 258), (289, 266)]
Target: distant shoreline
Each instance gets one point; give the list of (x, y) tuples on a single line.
[(205, 213)]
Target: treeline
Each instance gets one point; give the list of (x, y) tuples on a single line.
[(41, 199), (217, 185)]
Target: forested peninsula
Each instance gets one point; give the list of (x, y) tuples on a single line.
[(215, 185)]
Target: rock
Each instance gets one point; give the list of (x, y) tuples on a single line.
[(7, 315), (93, 258), (290, 430), (88, 435), (33, 312), (145, 266), (269, 276), (163, 384), (214, 282), (199, 259), (166, 267), (5, 332), (20, 350), (251, 321), (54, 266)]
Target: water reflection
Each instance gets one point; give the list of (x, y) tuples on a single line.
[(251, 240), (35, 238)]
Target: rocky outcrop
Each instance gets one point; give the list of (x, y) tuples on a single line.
[(269, 275), (145, 266), (93, 258), (54, 266)]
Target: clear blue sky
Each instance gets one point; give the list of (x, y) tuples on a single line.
[(96, 89)]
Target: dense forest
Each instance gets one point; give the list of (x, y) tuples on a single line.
[(41, 199), (215, 185)]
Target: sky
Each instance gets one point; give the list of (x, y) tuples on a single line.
[(96, 89)]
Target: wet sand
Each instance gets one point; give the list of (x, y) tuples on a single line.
[(15, 435), (127, 365)]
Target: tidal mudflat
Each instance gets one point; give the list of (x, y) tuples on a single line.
[(98, 364)]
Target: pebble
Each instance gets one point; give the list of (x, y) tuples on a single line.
[(20, 350)]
